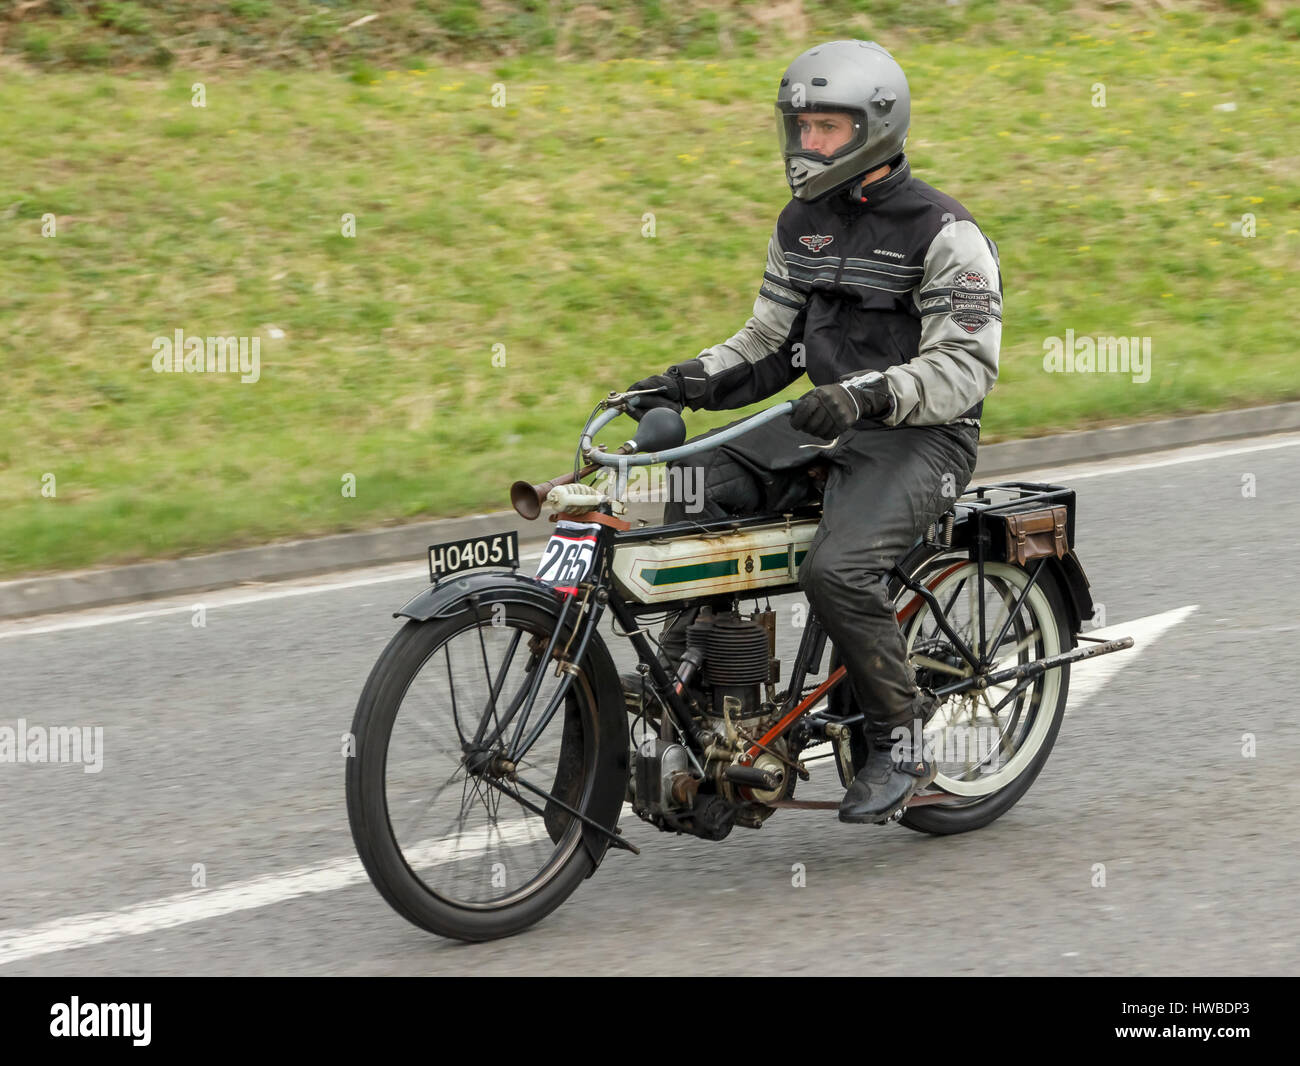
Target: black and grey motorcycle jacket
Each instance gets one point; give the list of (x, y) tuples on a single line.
[(903, 282)]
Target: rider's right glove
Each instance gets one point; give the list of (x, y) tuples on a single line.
[(828, 410), (672, 392)]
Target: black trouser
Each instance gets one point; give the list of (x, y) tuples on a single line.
[(884, 487)]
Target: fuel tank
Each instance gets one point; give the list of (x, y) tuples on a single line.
[(730, 561)]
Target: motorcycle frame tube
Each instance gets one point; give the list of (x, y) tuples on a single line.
[(811, 647), (677, 707)]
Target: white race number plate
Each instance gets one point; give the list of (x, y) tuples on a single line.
[(568, 556)]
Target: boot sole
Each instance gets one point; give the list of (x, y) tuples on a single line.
[(886, 816)]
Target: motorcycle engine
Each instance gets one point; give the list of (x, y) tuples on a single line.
[(737, 664), (737, 660)]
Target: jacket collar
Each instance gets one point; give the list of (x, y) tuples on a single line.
[(878, 192)]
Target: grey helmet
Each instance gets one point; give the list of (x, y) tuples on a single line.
[(857, 77)]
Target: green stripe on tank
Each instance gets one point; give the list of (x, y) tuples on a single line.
[(675, 575), (779, 561)]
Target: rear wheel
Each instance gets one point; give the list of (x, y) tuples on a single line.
[(453, 746), (991, 743)]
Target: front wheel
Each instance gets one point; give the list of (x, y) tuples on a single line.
[(454, 744), (991, 743)]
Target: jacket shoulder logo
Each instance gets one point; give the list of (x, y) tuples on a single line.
[(972, 301), (816, 242)]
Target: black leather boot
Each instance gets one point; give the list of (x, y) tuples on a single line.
[(893, 773), (896, 768)]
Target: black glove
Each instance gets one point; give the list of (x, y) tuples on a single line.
[(671, 393), (829, 410)]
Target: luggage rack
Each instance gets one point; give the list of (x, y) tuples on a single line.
[(978, 503), (1036, 492), (968, 526)]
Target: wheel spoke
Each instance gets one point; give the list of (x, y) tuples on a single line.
[(1006, 599), (451, 688), (424, 810), (1006, 621), (1019, 687), (1023, 643), (947, 607), (969, 637), (941, 667), (473, 685), (494, 687)]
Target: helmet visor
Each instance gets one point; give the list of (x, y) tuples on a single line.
[(823, 135)]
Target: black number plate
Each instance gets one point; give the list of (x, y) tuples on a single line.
[(499, 549)]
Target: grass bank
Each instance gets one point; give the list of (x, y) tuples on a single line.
[(502, 276)]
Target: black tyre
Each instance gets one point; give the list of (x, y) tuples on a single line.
[(429, 789)]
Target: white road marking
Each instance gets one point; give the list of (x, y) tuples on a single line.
[(229, 597), (1089, 677), (87, 930), (1198, 453)]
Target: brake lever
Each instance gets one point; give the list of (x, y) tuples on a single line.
[(620, 399)]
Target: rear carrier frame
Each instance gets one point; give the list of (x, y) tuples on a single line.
[(1019, 523), (1033, 521)]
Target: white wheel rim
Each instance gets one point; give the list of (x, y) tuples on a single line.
[(1047, 686)]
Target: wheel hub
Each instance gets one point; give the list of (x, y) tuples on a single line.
[(486, 761)]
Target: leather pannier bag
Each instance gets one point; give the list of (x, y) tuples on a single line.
[(1035, 534)]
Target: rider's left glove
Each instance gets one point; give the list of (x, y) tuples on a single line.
[(670, 392), (828, 410)]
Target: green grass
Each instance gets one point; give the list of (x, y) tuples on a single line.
[(224, 34), (521, 226)]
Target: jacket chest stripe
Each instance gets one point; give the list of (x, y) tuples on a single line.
[(862, 283), (831, 277), (804, 263), (853, 263), (880, 267), (826, 273)]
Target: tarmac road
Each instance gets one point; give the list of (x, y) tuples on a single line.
[(221, 747)]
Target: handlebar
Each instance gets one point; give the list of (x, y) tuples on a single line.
[(614, 409)]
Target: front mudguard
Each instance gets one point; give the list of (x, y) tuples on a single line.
[(478, 592), (452, 595)]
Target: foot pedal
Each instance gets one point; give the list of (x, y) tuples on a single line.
[(897, 816)]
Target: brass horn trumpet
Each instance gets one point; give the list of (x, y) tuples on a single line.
[(527, 499)]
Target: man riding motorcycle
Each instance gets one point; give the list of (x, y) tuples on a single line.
[(890, 297)]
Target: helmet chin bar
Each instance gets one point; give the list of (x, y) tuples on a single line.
[(804, 166), (796, 182)]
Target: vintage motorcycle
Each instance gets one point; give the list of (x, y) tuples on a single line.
[(496, 744)]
